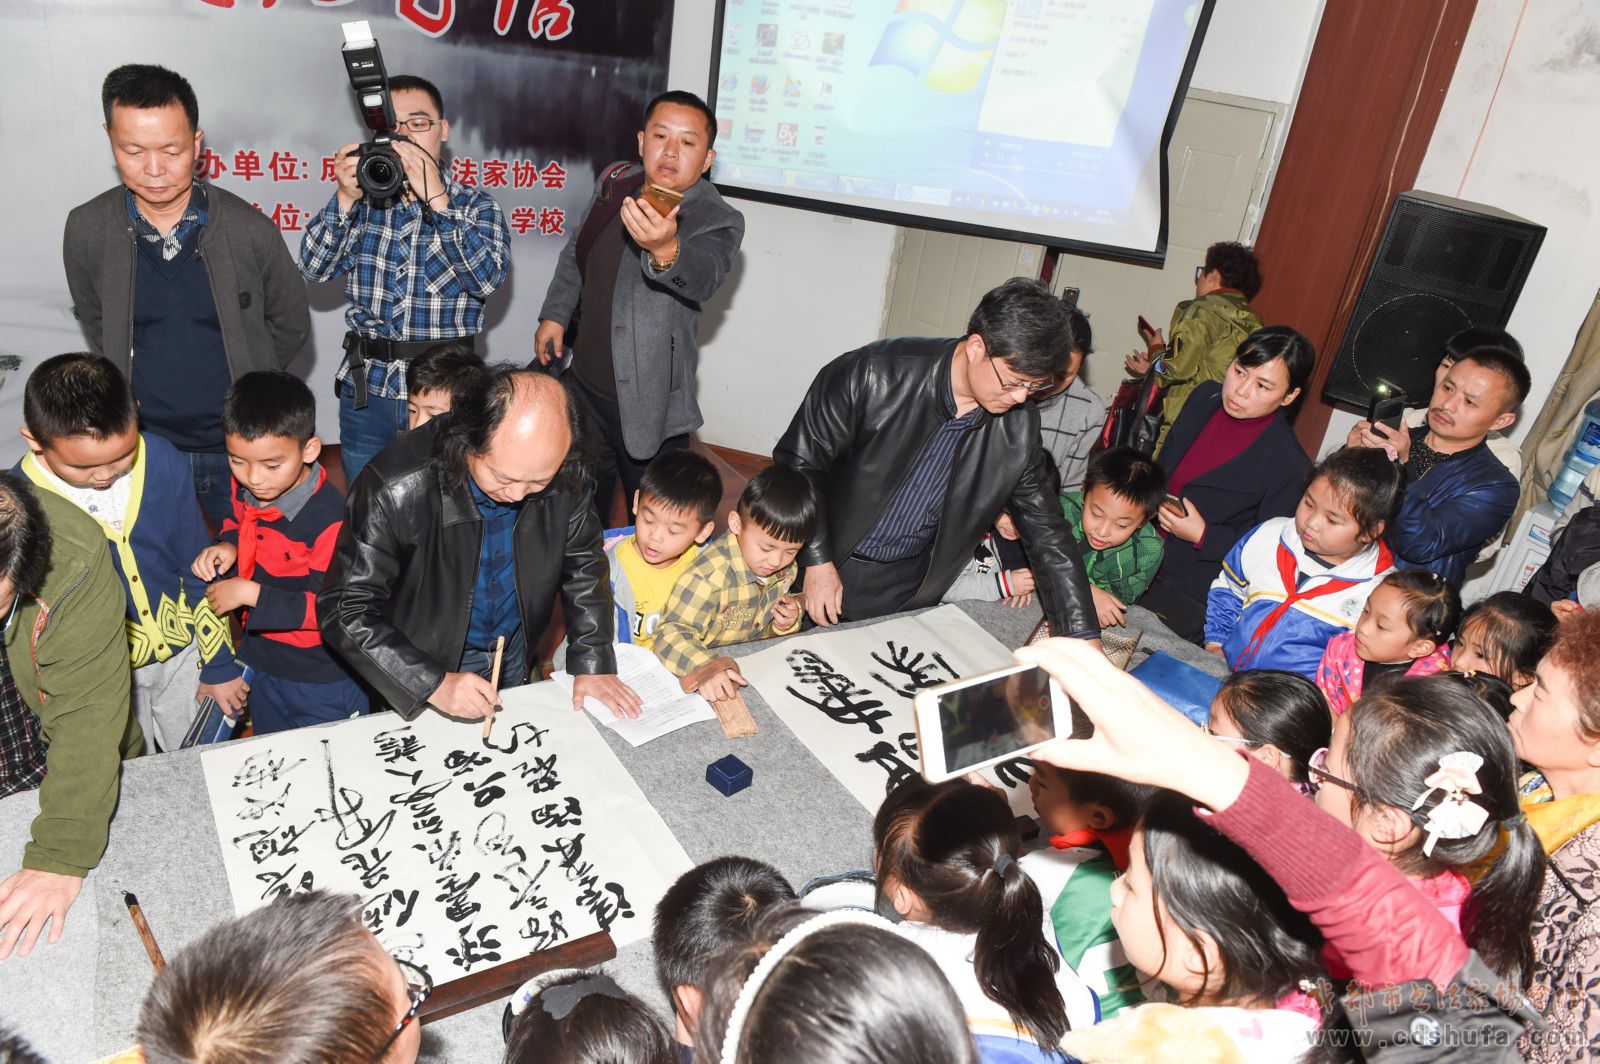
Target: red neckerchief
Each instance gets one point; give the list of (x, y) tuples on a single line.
[(248, 516), (1287, 572), (1116, 843)]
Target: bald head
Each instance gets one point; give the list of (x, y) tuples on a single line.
[(530, 433)]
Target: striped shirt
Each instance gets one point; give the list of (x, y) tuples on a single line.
[(407, 279), (907, 527)]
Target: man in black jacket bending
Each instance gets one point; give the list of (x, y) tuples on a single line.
[(462, 532), (914, 445)]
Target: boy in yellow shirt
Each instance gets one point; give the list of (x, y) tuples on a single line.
[(675, 506), (738, 588)]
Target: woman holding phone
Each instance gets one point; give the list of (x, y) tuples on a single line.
[(1232, 461)]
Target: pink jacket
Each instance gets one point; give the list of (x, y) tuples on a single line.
[(1386, 929), (1339, 673)]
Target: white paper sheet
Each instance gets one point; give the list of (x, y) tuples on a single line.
[(666, 707), (847, 694), (465, 855)]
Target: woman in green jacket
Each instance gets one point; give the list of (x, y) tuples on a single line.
[(65, 723), (1206, 330)]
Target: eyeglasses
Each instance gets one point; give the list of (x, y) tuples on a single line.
[(419, 123), (1230, 740), (1021, 386), (419, 984), (1317, 763)]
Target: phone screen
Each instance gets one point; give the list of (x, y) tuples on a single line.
[(1003, 716)]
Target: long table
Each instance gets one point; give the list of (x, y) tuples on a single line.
[(79, 999)]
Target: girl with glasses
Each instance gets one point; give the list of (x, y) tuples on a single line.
[(1278, 718), (1426, 774)]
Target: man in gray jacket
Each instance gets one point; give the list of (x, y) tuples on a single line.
[(184, 286), (639, 268)]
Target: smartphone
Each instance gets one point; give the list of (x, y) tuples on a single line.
[(662, 199), (1387, 405), (1146, 330), (981, 720), (1175, 504)]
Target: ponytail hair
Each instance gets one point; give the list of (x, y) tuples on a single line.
[(1433, 605), (1366, 481), (955, 845), (1397, 739), (1208, 885)]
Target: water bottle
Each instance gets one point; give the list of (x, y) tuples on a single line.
[(1582, 456)]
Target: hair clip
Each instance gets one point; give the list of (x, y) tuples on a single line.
[(1456, 816)]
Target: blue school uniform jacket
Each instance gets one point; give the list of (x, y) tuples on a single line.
[(1276, 606)]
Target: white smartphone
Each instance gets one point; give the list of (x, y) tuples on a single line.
[(981, 720)]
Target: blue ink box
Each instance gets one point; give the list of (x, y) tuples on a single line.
[(728, 775)]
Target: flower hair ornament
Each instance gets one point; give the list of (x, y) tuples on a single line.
[(774, 957), (1456, 815), (558, 992)]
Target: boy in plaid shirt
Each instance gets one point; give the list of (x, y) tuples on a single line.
[(737, 589)]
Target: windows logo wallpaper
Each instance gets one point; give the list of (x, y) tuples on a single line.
[(946, 44)]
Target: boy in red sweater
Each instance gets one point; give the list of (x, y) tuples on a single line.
[(286, 517)]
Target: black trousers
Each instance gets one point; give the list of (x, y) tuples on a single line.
[(877, 589), (607, 453), (1185, 616)]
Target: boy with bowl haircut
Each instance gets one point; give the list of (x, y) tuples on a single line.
[(738, 589), (286, 518), (1111, 519), (438, 378), (85, 446)]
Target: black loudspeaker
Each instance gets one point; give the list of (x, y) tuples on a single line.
[(1443, 265)]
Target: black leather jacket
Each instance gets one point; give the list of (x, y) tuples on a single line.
[(859, 432), (398, 595)]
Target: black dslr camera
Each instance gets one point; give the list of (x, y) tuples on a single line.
[(379, 172)]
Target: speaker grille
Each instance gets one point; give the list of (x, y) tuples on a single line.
[(1443, 265)]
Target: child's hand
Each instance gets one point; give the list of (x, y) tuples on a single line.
[(230, 594), (1110, 610), (230, 696), (1565, 609), (1189, 526), (215, 560), (1216, 648), (723, 684), (1022, 587), (785, 613), (1006, 526)]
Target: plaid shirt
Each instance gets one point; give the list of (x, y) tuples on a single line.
[(193, 220), (1124, 570), (406, 279), (719, 600), (21, 747)]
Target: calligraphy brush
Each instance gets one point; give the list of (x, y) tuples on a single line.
[(145, 934), (494, 682)]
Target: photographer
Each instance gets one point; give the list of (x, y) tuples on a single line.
[(418, 268)]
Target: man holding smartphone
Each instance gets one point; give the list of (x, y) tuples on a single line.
[(656, 242), (1458, 495)]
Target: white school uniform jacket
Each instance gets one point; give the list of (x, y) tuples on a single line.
[(1244, 608)]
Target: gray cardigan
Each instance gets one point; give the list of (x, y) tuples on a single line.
[(655, 316), (260, 296)]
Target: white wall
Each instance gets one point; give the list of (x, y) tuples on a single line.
[(1538, 157), (808, 287)]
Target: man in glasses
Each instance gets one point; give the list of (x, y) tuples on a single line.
[(301, 979), (418, 269), (914, 445), (184, 286)]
